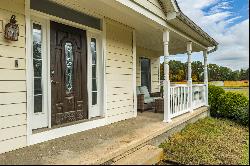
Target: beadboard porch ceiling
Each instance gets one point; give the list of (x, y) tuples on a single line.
[(148, 32)]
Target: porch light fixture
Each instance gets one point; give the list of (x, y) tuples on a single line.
[(12, 29)]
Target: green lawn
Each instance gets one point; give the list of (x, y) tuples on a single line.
[(209, 141), (241, 90)]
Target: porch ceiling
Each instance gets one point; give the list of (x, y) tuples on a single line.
[(148, 32)]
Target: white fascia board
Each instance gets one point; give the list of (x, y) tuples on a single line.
[(139, 9), (142, 11), (172, 15), (175, 6)]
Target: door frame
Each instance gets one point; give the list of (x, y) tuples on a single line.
[(33, 138)]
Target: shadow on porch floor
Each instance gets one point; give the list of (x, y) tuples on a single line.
[(98, 145)]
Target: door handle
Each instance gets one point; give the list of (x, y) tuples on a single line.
[(52, 73), (54, 82)]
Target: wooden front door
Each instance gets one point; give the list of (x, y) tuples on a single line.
[(68, 70)]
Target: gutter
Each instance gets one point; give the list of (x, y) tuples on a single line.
[(195, 27), (182, 17), (213, 49)]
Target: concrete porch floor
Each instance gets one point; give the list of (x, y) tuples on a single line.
[(99, 145)]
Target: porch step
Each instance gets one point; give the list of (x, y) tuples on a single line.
[(147, 155)]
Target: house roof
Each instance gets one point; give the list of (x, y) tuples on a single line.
[(181, 21)]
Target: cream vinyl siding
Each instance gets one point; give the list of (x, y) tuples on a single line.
[(12, 80), (153, 6), (155, 67), (119, 69)]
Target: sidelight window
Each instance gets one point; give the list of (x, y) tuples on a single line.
[(37, 66), (94, 71)]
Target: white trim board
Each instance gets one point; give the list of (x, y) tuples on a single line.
[(28, 68), (134, 73), (63, 21), (104, 55)]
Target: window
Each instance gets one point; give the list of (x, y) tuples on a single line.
[(94, 71), (69, 67), (37, 66), (146, 73)]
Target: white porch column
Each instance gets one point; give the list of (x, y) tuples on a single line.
[(190, 82), (166, 85), (205, 76)]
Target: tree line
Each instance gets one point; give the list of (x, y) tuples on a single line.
[(178, 72)]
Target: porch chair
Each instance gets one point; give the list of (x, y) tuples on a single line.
[(146, 100)]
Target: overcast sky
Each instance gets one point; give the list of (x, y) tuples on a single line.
[(227, 21)]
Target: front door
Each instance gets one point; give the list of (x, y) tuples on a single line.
[(68, 70)]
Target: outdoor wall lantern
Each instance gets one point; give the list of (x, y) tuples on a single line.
[(12, 29)]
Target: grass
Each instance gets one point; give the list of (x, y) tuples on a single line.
[(245, 160), (209, 141), (241, 90)]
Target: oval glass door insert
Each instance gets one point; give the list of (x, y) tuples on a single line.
[(69, 67)]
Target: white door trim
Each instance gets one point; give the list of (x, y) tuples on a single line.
[(64, 21), (48, 74), (28, 68), (104, 55), (58, 132)]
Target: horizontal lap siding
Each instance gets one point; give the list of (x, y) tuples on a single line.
[(13, 113), (119, 69), (155, 64)]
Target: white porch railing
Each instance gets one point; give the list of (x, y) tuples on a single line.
[(183, 98), (179, 98), (179, 101), (199, 95)]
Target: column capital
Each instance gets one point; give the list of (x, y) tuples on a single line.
[(189, 47), (205, 53), (166, 36)]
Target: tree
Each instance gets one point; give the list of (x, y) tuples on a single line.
[(244, 74), (178, 72)]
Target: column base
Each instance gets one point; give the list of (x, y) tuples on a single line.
[(167, 121)]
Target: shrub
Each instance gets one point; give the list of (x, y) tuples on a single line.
[(228, 105), (213, 97), (233, 106)]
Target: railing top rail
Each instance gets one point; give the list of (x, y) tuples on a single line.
[(199, 84), (178, 85)]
